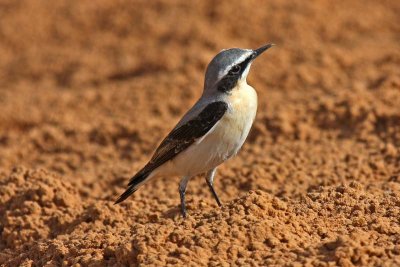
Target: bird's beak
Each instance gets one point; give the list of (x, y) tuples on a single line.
[(261, 50)]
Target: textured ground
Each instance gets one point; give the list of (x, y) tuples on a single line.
[(89, 88)]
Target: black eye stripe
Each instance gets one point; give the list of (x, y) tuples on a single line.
[(228, 82), (235, 69), (242, 65)]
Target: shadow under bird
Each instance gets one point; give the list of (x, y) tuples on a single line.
[(212, 131)]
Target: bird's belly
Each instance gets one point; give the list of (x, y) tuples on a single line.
[(238, 121), (221, 143)]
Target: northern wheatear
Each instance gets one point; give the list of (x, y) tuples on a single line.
[(212, 131)]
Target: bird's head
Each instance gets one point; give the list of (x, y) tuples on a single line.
[(229, 67)]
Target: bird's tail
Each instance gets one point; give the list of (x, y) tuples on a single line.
[(133, 185)]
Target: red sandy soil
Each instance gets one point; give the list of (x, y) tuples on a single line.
[(89, 88)]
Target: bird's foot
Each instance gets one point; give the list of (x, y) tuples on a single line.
[(214, 194), (183, 203)]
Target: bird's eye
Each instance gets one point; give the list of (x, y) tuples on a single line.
[(235, 69)]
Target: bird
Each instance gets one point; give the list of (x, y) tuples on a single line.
[(212, 131)]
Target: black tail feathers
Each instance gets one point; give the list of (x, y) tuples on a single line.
[(126, 194), (133, 185)]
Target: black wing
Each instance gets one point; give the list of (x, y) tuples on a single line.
[(182, 137), (177, 141)]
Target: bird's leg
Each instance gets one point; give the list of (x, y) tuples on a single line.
[(182, 190), (210, 179)]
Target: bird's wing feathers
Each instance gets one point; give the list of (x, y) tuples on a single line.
[(186, 134), (190, 129)]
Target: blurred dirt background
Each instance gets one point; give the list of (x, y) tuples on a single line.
[(89, 88)]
